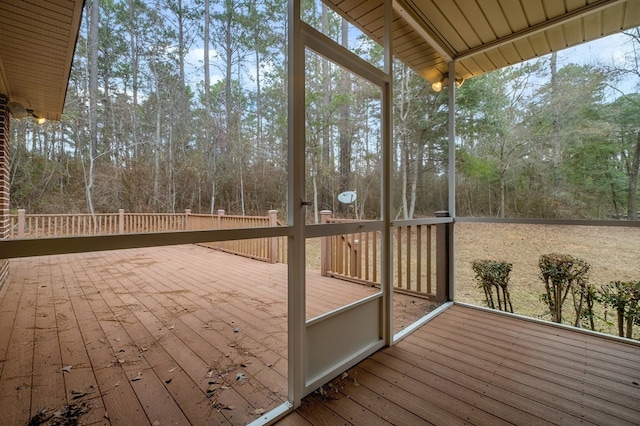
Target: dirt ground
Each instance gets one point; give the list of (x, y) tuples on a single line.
[(613, 253)]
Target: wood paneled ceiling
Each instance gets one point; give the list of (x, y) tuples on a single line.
[(484, 35), (37, 43)]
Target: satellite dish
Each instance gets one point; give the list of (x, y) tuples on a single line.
[(347, 197)]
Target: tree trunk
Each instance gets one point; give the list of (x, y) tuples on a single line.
[(325, 167), (93, 98), (632, 202), (133, 47), (156, 155), (555, 134), (345, 131)]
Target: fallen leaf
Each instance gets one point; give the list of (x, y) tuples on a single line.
[(259, 411), (121, 361), (240, 376), (236, 330), (173, 369), (168, 380), (172, 327), (66, 369), (106, 415), (230, 407)]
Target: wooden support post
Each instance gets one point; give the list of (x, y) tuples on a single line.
[(325, 246), (273, 241), (220, 214), (21, 223), (442, 258), (121, 221), (187, 213)]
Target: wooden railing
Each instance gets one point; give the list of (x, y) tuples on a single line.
[(266, 249), (417, 249), (25, 225), (356, 257), (73, 225)]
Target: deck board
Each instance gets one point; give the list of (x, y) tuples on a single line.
[(470, 366), (205, 332)]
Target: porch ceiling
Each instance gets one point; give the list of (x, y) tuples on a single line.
[(37, 43), (485, 35)]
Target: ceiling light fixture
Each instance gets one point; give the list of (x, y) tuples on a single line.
[(39, 119), (438, 85)]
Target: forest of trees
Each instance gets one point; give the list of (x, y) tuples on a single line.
[(176, 104)]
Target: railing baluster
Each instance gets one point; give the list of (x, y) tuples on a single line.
[(408, 256), (419, 257), (429, 259), (399, 256)]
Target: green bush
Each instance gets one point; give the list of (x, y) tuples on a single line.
[(562, 275), (624, 297), (494, 275)]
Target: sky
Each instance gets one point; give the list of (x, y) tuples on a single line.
[(604, 50)]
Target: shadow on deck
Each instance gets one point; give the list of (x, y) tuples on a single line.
[(167, 335)]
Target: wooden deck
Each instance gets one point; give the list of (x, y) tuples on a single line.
[(169, 335), (468, 366)]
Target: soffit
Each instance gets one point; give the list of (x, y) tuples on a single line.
[(37, 43), (485, 35)]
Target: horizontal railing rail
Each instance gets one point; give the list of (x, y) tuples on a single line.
[(29, 226)]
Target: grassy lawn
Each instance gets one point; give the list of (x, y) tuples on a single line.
[(613, 253)]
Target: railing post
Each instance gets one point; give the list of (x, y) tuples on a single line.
[(325, 246), (121, 221), (273, 241), (220, 214), (187, 212), (354, 257), (21, 223), (442, 258)]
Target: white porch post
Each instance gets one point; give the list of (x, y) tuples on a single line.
[(296, 217), (387, 135), (452, 178)]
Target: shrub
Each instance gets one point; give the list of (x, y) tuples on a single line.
[(562, 275), (625, 298), (494, 274)]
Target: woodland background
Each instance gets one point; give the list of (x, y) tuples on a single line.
[(149, 128)]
